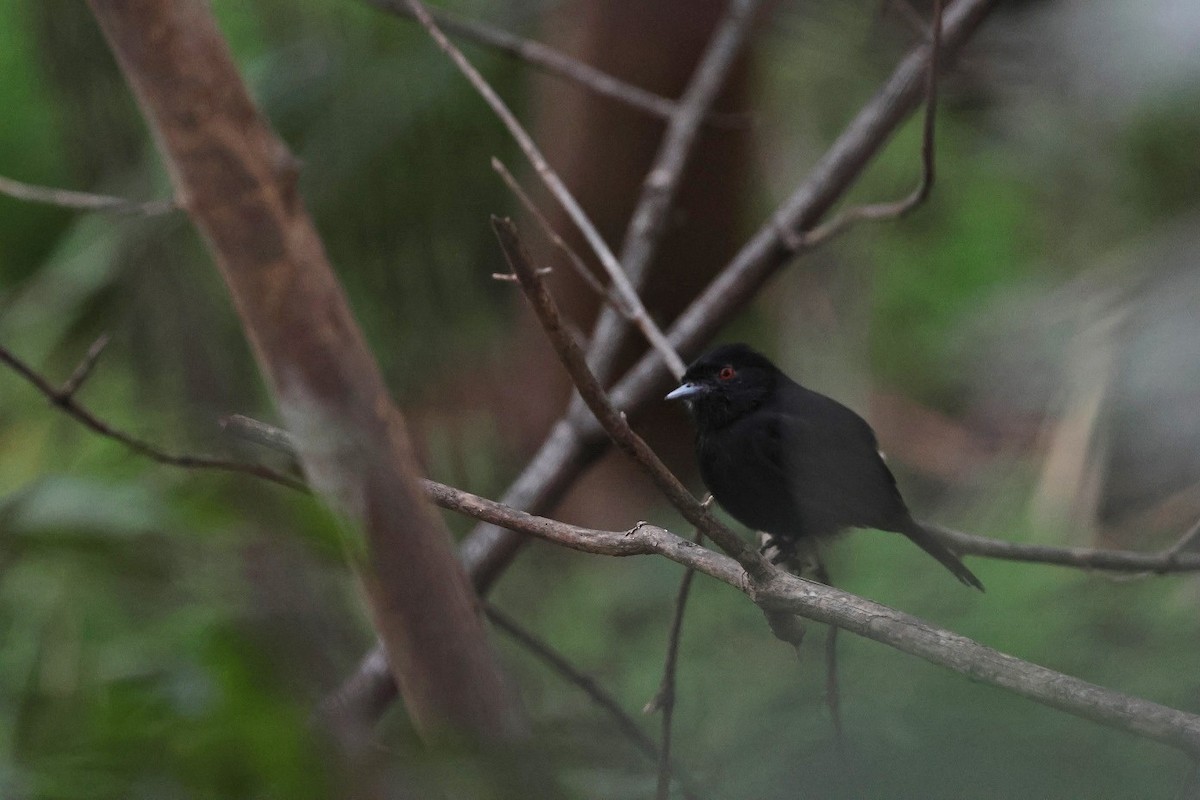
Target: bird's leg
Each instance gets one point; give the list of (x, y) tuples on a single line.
[(784, 550)]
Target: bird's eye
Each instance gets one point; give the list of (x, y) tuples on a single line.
[(726, 373)]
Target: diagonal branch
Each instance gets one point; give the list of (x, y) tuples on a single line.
[(65, 400), (573, 258), (613, 421), (772, 247), (588, 685)]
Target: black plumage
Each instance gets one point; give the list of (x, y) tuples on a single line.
[(791, 462)]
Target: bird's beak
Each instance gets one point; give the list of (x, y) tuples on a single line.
[(685, 392)]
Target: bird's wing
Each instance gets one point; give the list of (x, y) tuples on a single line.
[(833, 469)]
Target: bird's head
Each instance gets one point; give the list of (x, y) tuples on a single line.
[(725, 383)]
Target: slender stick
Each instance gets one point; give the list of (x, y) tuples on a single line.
[(83, 201), (84, 368), (65, 400), (573, 258), (664, 699), (589, 686), (1171, 560), (772, 247), (833, 692)]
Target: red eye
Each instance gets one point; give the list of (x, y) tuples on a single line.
[(726, 373)]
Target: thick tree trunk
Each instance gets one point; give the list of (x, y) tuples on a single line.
[(238, 183)]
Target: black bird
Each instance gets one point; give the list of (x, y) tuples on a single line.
[(791, 462)]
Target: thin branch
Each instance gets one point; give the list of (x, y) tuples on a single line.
[(83, 201), (64, 399), (556, 187), (572, 675), (1172, 559), (833, 692), (612, 420), (898, 208), (574, 259), (661, 185), (84, 368), (589, 686), (557, 63), (664, 699)]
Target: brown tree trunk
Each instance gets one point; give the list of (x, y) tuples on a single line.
[(238, 183)]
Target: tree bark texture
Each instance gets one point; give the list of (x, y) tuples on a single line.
[(238, 182)]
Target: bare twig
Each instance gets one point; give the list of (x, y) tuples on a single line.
[(84, 368), (557, 63), (559, 663), (1172, 559), (82, 201), (612, 420), (661, 185), (664, 699), (65, 400), (898, 208), (557, 188), (589, 686), (577, 263), (833, 692)]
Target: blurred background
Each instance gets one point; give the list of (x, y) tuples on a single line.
[(1027, 345)]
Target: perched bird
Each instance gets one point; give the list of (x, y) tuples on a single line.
[(790, 462)]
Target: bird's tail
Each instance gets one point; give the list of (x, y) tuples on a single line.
[(930, 543)]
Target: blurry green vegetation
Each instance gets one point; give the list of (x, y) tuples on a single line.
[(167, 635)]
